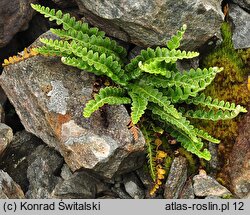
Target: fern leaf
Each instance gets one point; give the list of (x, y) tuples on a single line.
[(95, 43), (183, 124), (108, 95), (188, 143), (174, 42), (155, 96), (204, 135), (139, 105), (212, 114), (215, 103), (66, 20)]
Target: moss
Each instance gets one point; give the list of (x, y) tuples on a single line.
[(229, 85)]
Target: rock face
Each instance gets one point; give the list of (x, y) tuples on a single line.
[(44, 165), (6, 136), (176, 178), (205, 185), (65, 4), (241, 23), (79, 186), (14, 17), (239, 166), (8, 188), (149, 23), (49, 96), (243, 3), (14, 161)]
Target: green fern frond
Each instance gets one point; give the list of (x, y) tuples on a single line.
[(108, 95), (215, 103), (153, 57), (155, 96), (139, 105), (188, 143), (66, 20), (183, 124), (95, 43), (204, 135), (213, 114), (174, 42), (99, 63)]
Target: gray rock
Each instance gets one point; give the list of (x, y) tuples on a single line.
[(79, 186), (239, 167), (243, 3), (44, 166), (214, 162), (66, 172), (14, 160), (14, 17), (187, 191), (6, 136), (176, 178), (65, 4), (241, 23), (121, 193), (2, 114), (149, 23), (205, 185), (8, 188), (49, 96), (133, 186)]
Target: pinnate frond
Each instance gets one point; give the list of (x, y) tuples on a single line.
[(95, 43), (108, 95), (139, 105), (155, 96), (215, 103), (66, 20), (175, 40)]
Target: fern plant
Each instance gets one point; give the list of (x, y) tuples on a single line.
[(150, 81)]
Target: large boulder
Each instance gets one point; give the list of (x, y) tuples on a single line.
[(14, 17), (149, 23), (241, 22), (49, 97), (243, 3)]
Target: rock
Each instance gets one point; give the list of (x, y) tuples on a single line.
[(133, 186), (239, 160), (214, 162), (3, 99), (49, 96), (6, 136), (65, 4), (121, 193), (79, 186), (243, 3), (150, 23), (44, 166), (14, 17), (241, 23), (187, 191), (8, 188), (66, 172), (176, 178), (2, 114), (205, 185), (14, 161)]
